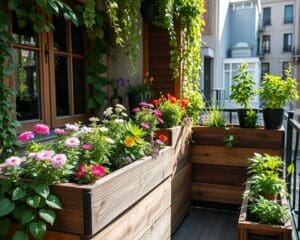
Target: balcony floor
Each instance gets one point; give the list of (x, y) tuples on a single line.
[(204, 224)]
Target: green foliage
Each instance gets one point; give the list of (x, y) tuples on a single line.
[(172, 114), (195, 104), (275, 92), (146, 115), (215, 117), (250, 119), (265, 162), (124, 18), (143, 90), (268, 212), (230, 140), (89, 13), (243, 87)]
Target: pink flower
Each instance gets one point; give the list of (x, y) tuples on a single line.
[(41, 129), (44, 155), (160, 120), (157, 113), (25, 136), (98, 171), (59, 131), (86, 146), (72, 127), (81, 171), (58, 160), (145, 125), (32, 155), (72, 142), (13, 161), (136, 109)]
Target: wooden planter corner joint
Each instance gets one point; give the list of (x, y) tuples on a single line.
[(248, 229)]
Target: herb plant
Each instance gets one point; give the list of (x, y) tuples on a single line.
[(250, 118), (230, 140), (215, 117), (265, 162)]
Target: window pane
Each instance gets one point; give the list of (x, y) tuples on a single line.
[(62, 86), (288, 14), (287, 42), (266, 44), (227, 85), (27, 84), (77, 40), (60, 36), (78, 85), (267, 16), (24, 35)]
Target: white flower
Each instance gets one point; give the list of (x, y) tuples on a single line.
[(109, 140), (105, 121), (118, 120), (85, 129), (118, 110), (124, 114), (108, 113), (71, 127), (103, 129), (94, 119), (120, 106)]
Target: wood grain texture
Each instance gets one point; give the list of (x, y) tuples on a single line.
[(217, 193), (220, 155), (139, 220), (253, 138)]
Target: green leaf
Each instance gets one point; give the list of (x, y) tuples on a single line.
[(47, 215), (6, 207), (13, 4), (18, 193), (20, 235), (42, 190), (53, 202), (4, 226), (27, 216), (33, 201), (18, 212), (37, 229)]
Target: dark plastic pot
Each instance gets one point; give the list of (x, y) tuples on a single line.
[(149, 10), (273, 118), (242, 113)]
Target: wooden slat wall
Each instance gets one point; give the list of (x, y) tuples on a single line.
[(219, 173)]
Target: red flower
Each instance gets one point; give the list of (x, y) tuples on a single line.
[(184, 103), (163, 138), (98, 171), (171, 98), (81, 171), (155, 102)]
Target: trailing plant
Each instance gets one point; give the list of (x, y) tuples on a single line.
[(242, 89), (250, 118), (268, 212), (275, 92), (124, 18)]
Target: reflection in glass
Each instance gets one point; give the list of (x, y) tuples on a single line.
[(27, 84), (24, 35), (78, 86), (62, 86), (60, 35), (77, 40)]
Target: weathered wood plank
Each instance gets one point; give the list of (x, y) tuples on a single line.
[(134, 223), (224, 175), (220, 155), (255, 138), (217, 193)]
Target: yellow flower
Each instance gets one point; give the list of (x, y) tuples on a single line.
[(139, 140), (129, 141)]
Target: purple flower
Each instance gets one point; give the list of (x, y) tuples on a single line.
[(135, 110), (58, 160), (13, 161), (59, 131), (159, 142), (122, 82), (160, 120), (44, 155), (86, 146), (72, 142), (157, 113), (128, 159), (145, 125), (144, 104), (156, 151)]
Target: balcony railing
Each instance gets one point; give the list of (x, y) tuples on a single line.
[(266, 21), (287, 48)]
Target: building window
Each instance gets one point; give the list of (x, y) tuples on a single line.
[(285, 66), (245, 5), (267, 16), (266, 43), (287, 42), (265, 68), (288, 14), (49, 78)]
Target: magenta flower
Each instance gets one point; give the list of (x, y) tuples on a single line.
[(145, 125), (58, 160), (98, 171), (87, 146), (41, 129), (13, 161), (25, 136), (81, 171), (157, 113), (144, 104), (59, 131), (135, 110), (72, 127), (72, 142), (44, 155)]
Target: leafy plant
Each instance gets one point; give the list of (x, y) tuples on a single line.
[(242, 89), (268, 212), (265, 162), (144, 91), (230, 140), (215, 117), (275, 92), (250, 119), (195, 104)]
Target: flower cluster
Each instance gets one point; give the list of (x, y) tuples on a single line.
[(90, 173)]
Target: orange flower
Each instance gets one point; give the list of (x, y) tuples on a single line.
[(129, 141), (184, 103), (163, 138), (172, 99), (155, 102)]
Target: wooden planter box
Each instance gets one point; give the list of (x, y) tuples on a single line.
[(219, 173), (179, 139), (252, 230), (126, 204)]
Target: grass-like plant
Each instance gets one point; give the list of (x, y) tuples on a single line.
[(215, 117)]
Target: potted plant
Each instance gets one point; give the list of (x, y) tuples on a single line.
[(275, 92), (242, 91), (214, 117)]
